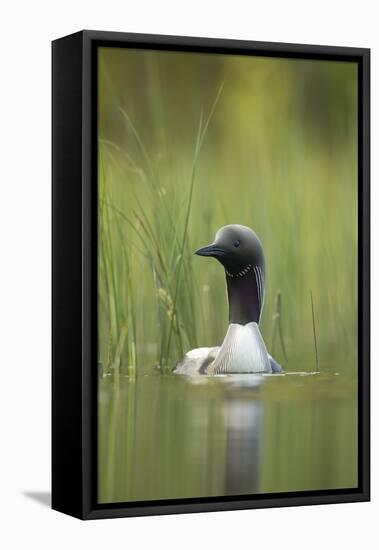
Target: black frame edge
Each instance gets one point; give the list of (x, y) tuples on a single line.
[(223, 506), (67, 470), (213, 44), (364, 279)]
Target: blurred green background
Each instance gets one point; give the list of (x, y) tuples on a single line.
[(191, 142)]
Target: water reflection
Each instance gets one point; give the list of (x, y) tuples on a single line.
[(241, 416), (244, 425), (166, 437)]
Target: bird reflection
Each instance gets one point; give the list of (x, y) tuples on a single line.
[(239, 416), (244, 420)]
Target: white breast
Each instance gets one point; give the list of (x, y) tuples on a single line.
[(243, 351)]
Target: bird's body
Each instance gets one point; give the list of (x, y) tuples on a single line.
[(243, 350)]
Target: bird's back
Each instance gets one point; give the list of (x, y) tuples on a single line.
[(197, 361)]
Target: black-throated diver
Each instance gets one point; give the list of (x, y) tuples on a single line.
[(243, 350)]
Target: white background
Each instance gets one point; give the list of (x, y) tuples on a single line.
[(26, 31)]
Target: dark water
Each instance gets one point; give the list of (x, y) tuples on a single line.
[(167, 436)]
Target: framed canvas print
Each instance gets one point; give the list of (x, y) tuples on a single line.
[(210, 274)]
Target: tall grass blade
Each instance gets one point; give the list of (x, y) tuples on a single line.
[(277, 325), (314, 333)]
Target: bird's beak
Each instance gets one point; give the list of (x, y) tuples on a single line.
[(211, 250)]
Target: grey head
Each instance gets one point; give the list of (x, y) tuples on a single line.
[(240, 252)]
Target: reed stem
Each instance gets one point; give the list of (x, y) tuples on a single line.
[(314, 333)]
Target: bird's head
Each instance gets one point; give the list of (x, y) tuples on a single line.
[(236, 247)]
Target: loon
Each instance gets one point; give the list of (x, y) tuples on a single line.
[(243, 350)]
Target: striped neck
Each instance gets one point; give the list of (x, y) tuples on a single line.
[(245, 294), (241, 273)]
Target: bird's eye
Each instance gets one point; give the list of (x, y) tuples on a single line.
[(236, 244)]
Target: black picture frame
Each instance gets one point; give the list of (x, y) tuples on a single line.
[(74, 273)]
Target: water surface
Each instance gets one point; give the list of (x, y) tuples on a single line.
[(167, 436)]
